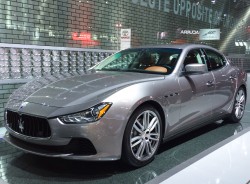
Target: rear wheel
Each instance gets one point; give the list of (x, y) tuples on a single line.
[(239, 106), (142, 136)]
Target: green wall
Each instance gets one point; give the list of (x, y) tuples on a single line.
[(92, 23)]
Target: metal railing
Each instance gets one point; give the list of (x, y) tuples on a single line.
[(243, 62), (29, 61)]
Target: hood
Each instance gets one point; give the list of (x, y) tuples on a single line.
[(57, 92)]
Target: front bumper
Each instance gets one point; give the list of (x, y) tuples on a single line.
[(101, 140)]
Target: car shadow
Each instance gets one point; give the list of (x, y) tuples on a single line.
[(67, 169)]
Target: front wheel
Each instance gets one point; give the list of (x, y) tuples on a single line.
[(142, 136), (239, 106)]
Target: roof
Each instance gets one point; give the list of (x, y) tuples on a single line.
[(180, 46), (177, 46)]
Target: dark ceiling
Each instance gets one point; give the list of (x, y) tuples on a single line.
[(241, 4)]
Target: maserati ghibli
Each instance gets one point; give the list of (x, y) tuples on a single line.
[(126, 105)]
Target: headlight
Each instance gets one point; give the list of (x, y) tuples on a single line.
[(90, 115)]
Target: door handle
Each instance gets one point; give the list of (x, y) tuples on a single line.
[(210, 83), (232, 77)]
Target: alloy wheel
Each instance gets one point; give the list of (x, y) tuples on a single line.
[(145, 135), (240, 103)]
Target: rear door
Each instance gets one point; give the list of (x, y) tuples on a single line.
[(225, 81)]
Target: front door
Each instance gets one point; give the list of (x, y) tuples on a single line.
[(197, 90)]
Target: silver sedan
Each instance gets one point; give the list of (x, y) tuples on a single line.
[(127, 105)]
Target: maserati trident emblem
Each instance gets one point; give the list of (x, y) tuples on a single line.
[(23, 105), (20, 124)]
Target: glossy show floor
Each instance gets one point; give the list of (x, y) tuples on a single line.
[(17, 167)]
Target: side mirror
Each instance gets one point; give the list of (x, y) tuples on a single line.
[(196, 68)]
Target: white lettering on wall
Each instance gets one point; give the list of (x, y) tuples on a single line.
[(166, 7), (188, 8), (190, 32), (144, 3), (152, 4)]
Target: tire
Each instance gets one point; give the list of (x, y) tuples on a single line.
[(239, 106), (142, 136)]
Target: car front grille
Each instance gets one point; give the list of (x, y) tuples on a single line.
[(28, 125)]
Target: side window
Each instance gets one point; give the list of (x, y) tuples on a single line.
[(194, 56), (215, 60), (122, 61)]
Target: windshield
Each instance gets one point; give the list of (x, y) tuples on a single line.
[(156, 60)]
